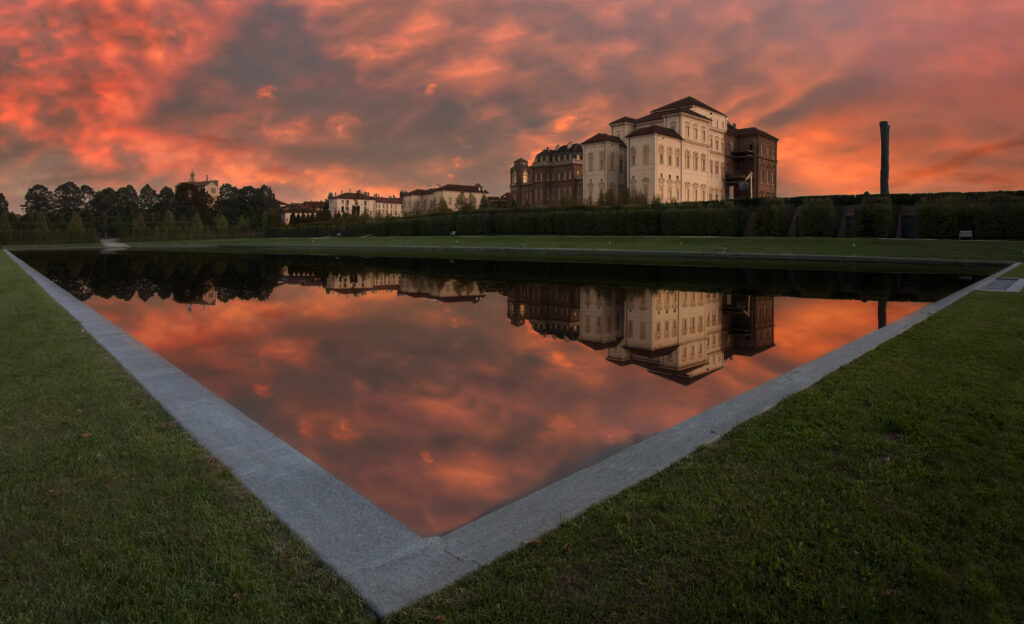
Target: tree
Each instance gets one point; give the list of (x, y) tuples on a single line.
[(3, 204), (191, 200), (148, 200), (168, 228), (68, 200), (220, 225), (6, 231), (166, 201), (127, 202), (230, 202), (38, 200), (76, 230), (196, 226), (485, 204), (442, 205), (465, 202), (137, 228)]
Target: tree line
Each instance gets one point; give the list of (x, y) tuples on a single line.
[(73, 213)]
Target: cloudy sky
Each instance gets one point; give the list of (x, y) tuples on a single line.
[(312, 96)]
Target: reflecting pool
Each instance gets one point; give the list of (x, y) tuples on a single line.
[(443, 390)]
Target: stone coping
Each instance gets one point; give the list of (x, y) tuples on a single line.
[(389, 565), (526, 252)]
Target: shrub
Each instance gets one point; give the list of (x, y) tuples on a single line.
[(818, 217)]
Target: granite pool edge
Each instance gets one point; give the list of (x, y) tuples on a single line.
[(386, 563)]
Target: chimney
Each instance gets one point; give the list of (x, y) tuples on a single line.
[(884, 126)]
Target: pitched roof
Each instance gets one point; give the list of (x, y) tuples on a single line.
[(621, 119), (352, 196), (308, 206), (462, 188), (389, 200), (601, 137), (752, 130), (656, 130), (686, 101)]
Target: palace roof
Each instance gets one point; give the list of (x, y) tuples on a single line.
[(601, 137), (656, 130)]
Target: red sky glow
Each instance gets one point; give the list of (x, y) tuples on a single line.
[(313, 96)]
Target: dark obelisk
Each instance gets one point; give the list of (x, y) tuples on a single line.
[(884, 126)]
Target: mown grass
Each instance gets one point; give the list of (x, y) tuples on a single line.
[(110, 512), (890, 491), (1009, 251)]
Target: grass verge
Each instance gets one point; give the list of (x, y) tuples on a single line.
[(110, 512)]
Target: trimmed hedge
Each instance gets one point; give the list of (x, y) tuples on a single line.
[(990, 215)]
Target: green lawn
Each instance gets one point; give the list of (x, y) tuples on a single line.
[(890, 491)]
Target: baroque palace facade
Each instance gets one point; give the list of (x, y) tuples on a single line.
[(683, 151)]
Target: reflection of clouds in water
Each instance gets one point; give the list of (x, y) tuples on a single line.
[(435, 421)]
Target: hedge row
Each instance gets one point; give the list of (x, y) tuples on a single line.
[(989, 215)]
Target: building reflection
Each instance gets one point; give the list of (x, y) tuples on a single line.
[(679, 335), (676, 334)]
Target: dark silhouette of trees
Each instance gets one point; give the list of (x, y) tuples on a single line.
[(38, 200)]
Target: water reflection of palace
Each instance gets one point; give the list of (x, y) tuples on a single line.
[(676, 334), (680, 335)]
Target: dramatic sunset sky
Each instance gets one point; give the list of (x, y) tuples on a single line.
[(312, 96)]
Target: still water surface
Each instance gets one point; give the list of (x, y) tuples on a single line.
[(440, 398)]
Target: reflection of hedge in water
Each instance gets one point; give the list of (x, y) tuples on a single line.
[(186, 277), (992, 215), (181, 277)]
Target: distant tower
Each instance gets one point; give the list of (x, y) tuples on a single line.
[(192, 177), (884, 126)]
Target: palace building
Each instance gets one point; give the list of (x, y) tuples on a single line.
[(682, 151), (554, 178)]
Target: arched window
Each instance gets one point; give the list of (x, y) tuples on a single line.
[(602, 159), (590, 161), (647, 185), (687, 159), (647, 154), (661, 154), (661, 187), (590, 192), (703, 162), (632, 157)]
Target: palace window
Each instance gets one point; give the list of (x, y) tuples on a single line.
[(632, 156), (647, 154)]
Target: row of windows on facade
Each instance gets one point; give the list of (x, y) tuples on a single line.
[(668, 190), (681, 158), (665, 301), (672, 332), (698, 132)]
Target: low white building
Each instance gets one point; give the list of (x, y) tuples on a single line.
[(425, 201), (360, 203)]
